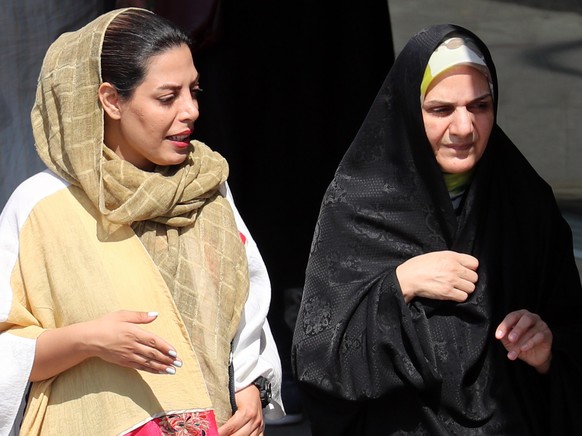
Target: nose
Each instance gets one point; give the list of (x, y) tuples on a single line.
[(461, 123), (189, 109)]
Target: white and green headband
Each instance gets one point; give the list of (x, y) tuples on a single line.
[(451, 52)]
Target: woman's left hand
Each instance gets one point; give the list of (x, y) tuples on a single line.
[(248, 419), (527, 337)]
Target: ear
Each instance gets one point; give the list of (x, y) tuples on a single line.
[(110, 99)]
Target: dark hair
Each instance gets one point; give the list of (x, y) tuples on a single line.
[(131, 39)]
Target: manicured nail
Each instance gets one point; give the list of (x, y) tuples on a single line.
[(153, 314), (172, 353), (177, 364), (171, 370)]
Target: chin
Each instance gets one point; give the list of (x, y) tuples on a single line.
[(174, 160), (456, 166)]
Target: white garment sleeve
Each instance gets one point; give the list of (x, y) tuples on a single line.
[(254, 350), (17, 353)]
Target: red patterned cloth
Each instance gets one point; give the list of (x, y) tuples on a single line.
[(182, 424)]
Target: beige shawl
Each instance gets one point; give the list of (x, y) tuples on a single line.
[(184, 223)]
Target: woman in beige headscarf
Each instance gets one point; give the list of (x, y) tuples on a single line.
[(126, 259)]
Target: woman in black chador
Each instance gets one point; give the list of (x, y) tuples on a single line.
[(442, 296)]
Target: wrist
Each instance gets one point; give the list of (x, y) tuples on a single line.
[(544, 368), (407, 293), (57, 350), (87, 345)]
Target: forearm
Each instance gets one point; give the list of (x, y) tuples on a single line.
[(58, 350)]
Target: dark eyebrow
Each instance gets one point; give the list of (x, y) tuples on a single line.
[(444, 103), (174, 87), (484, 97)]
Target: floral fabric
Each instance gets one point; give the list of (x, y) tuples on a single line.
[(180, 424)]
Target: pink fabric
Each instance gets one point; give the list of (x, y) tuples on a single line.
[(183, 424)]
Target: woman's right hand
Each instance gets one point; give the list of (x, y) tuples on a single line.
[(440, 275), (116, 338)]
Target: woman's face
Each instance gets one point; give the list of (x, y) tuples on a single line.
[(153, 127), (458, 118)]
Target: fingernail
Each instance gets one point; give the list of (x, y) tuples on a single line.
[(512, 355), (172, 353), (153, 314), (499, 333), (177, 363), (512, 337), (170, 370)]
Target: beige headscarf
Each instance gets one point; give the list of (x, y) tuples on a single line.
[(185, 224)]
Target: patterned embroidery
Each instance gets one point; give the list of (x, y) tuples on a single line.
[(316, 316), (179, 424), (186, 424)]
